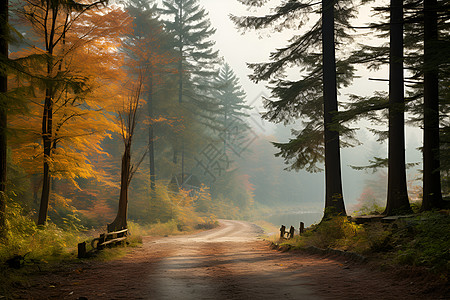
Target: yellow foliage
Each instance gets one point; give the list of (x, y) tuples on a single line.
[(83, 116)]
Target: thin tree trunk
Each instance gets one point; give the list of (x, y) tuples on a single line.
[(47, 123), (180, 66), (397, 195), (47, 117), (432, 194), (225, 123), (128, 120), (151, 141), (182, 161), (3, 115), (120, 222), (334, 202), (180, 91)]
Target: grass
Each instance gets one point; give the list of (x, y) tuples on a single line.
[(271, 231), (419, 241)]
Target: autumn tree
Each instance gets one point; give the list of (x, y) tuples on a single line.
[(67, 83), (128, 118), (52, 19), (315, 91)]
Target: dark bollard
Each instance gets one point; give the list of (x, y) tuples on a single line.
[(82, 250), (291, 232), (282, 231), (302, 228)]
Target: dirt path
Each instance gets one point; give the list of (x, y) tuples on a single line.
[(228, 262)]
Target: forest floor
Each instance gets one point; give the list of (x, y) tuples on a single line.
[(228, 262)]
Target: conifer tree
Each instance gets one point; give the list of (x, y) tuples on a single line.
[(149, 46), (423, 61), (314, 92), (432, 191), (232, 103), (397, 194), (197, 60)]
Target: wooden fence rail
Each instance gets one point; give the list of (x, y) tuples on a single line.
[(113, 238), (110, 238)]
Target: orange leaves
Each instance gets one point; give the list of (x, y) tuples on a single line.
[(86, 84)]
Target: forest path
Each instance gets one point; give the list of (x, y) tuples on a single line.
[(228, 262), (224, 263)]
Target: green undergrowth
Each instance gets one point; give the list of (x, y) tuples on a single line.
[(29, 249), (422, 240), (37, 243)]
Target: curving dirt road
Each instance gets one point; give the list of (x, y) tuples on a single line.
[(228, 262), (224, 263)]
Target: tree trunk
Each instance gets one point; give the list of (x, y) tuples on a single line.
[(47, 123), (120, 222), (47, 119), (334, 202), (225, 125), (397, 195), (432, 195), (151, 141), (180, 91), (182, 161), (3, 114), (175, 155)]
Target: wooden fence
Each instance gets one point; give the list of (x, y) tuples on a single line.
[(105, 239), (290, 234)]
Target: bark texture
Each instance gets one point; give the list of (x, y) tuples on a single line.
[(3, 114), (432, 194), (120, 222), (334, 202), (397, 196)]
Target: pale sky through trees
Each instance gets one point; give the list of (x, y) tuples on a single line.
[(239, 49)]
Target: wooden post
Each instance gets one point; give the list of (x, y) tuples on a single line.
[(82, 250), (282, 231), (291, 232), (302, 228)]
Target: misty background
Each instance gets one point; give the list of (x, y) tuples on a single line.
[(301, 191)]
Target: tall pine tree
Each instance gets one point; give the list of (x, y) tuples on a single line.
[(397, 194), (231, 98), (315, 91), (434, 49), (197, 60), (422, 58), (150, 47)]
